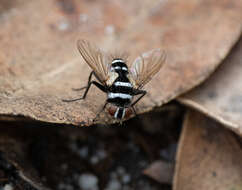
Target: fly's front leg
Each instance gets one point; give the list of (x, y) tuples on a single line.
[(100, 86), (89, 80)]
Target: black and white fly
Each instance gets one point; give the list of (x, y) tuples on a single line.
[(120, 82)]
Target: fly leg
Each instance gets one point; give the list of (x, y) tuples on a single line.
[(137, 92), (100, 86), (89, 80), (132, 107), (98, 114)]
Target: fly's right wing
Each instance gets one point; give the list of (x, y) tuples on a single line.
[(146, 66), (95, 58)]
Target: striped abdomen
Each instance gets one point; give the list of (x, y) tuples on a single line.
[(119, 112), (120, 92)]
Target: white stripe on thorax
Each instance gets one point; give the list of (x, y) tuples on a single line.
[(112, 95), (115, 68), (117, 61), (118, 68), (127, 84)]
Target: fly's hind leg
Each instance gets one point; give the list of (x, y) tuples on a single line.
[(132, 107), (138, 92)]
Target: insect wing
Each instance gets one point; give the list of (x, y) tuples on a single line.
[(146, 66), (95, 58)]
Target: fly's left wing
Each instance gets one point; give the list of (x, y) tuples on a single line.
[(96, 59), (146, 66)]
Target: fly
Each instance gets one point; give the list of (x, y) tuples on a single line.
[(115, 78)]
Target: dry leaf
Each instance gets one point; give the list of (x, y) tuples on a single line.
[(209, 157), (39, 61), (160, 171), (220, 97)]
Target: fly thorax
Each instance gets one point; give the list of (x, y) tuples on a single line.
[(112, 77), (119, 66)]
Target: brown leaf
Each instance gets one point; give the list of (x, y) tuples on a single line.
[(160, 171), (220, 97), (39, 61), (209, 157)]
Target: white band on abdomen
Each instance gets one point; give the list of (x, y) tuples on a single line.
[(112, 95), (127, 84)]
